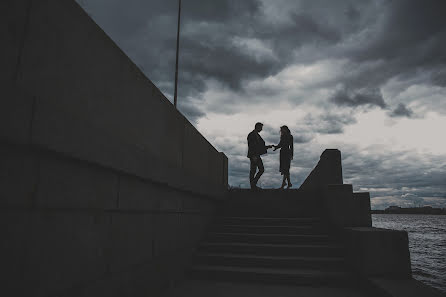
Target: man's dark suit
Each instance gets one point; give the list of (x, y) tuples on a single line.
[(256, 148)]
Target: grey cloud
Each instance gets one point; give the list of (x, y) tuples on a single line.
[(352, 13), (401, 111), (398, 171), (327, 123), (146, 30), (410, 38), (191, 111), (438, 77), (407, 35), (354, 99), (300, 137)]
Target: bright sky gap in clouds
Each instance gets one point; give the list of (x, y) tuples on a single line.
[(366, 77)]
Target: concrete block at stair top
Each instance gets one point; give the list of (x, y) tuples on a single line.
[(15, 115), (131, 240), (378, 252), (363, 214), (18, 176), (72, 184), (65, 249), (327, 171), (339, 204), (331, 167), (15, 232), (139, 194)]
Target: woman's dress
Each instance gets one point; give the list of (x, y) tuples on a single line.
[(286, 153)]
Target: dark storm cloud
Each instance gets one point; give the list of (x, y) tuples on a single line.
[(401, 37), (401, 111), (409, 38), (367, 97), (223, 40)]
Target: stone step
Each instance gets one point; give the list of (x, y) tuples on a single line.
[(266, 238), (246, 260), (267, 221), (257, 208), (301, 250), (270, 275), (266, 229)]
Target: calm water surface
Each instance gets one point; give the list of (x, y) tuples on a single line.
[(427, 244)]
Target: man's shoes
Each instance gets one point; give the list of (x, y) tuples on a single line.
[(289, 186)]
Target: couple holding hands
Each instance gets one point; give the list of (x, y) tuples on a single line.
[(257, 147)]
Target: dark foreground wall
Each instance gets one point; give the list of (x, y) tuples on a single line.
[(104, 187)]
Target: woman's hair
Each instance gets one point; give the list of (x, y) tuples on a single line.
[(285, 129)]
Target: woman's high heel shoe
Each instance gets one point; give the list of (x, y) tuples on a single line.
[(289, 186)]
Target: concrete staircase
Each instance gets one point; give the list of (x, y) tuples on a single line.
[(286, 250)]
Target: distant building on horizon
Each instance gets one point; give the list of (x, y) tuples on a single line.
[(393, 209)]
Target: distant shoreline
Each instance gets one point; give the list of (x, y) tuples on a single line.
[(418, 213), (427, 210)]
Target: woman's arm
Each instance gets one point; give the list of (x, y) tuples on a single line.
[(292, 148), (279, 145)]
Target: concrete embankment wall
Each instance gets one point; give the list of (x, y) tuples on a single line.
[(104, 187), (370, 252)]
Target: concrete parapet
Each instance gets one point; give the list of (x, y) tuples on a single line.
[(377, 252)]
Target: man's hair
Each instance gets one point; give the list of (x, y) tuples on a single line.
[(258, 125)]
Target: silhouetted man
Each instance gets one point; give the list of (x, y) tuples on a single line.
[(256, 148)]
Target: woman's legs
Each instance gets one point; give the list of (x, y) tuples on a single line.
[(288, 179), (284, 181)]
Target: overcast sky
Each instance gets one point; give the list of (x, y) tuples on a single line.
[(366, 77)]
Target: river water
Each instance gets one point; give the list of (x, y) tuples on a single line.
[(427, 244)]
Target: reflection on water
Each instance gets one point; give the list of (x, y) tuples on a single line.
[(427, 244)]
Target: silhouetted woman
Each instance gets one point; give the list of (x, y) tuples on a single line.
[(286, 154)]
